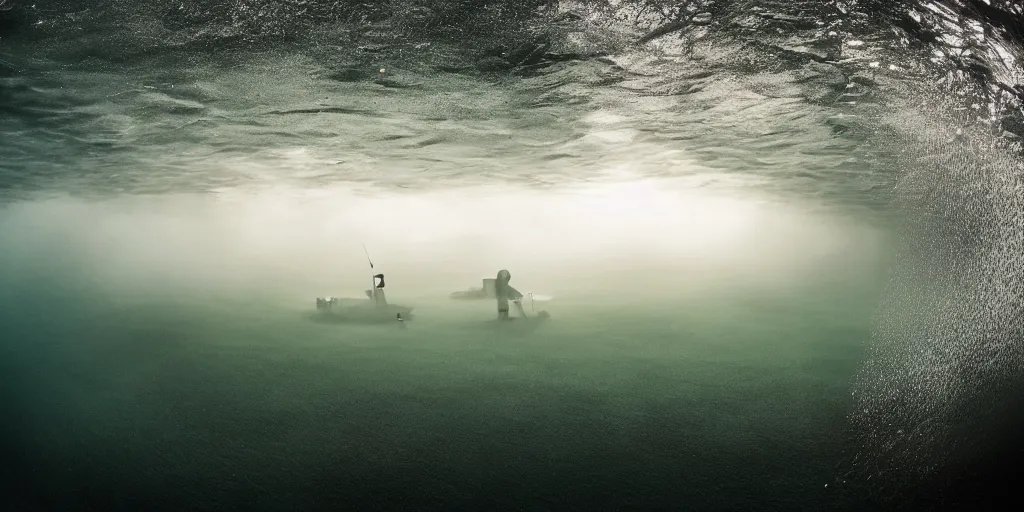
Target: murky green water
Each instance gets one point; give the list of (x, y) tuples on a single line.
[(704, 335)]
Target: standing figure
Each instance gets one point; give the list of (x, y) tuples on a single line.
[(504, 292)]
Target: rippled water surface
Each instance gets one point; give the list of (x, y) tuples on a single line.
[(281, 118)]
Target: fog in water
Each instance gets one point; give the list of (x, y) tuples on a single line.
[(632, 240), (172, 335)]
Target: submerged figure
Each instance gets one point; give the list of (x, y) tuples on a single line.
[(503, 291)]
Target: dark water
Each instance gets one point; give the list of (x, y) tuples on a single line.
[(170, 408), (782, 240)]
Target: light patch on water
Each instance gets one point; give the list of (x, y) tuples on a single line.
[(612, 136), (604, 129), (604, 117)]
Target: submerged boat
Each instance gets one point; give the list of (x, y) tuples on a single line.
[(372, 309), (499, 289), (488, 290), (484, 292)]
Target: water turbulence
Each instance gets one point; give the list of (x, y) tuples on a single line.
[(938, 402), (781, 241)]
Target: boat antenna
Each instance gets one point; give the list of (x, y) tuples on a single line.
[(373, 281), (367, 253)]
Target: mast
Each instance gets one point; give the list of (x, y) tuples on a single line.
[(373, 280)]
